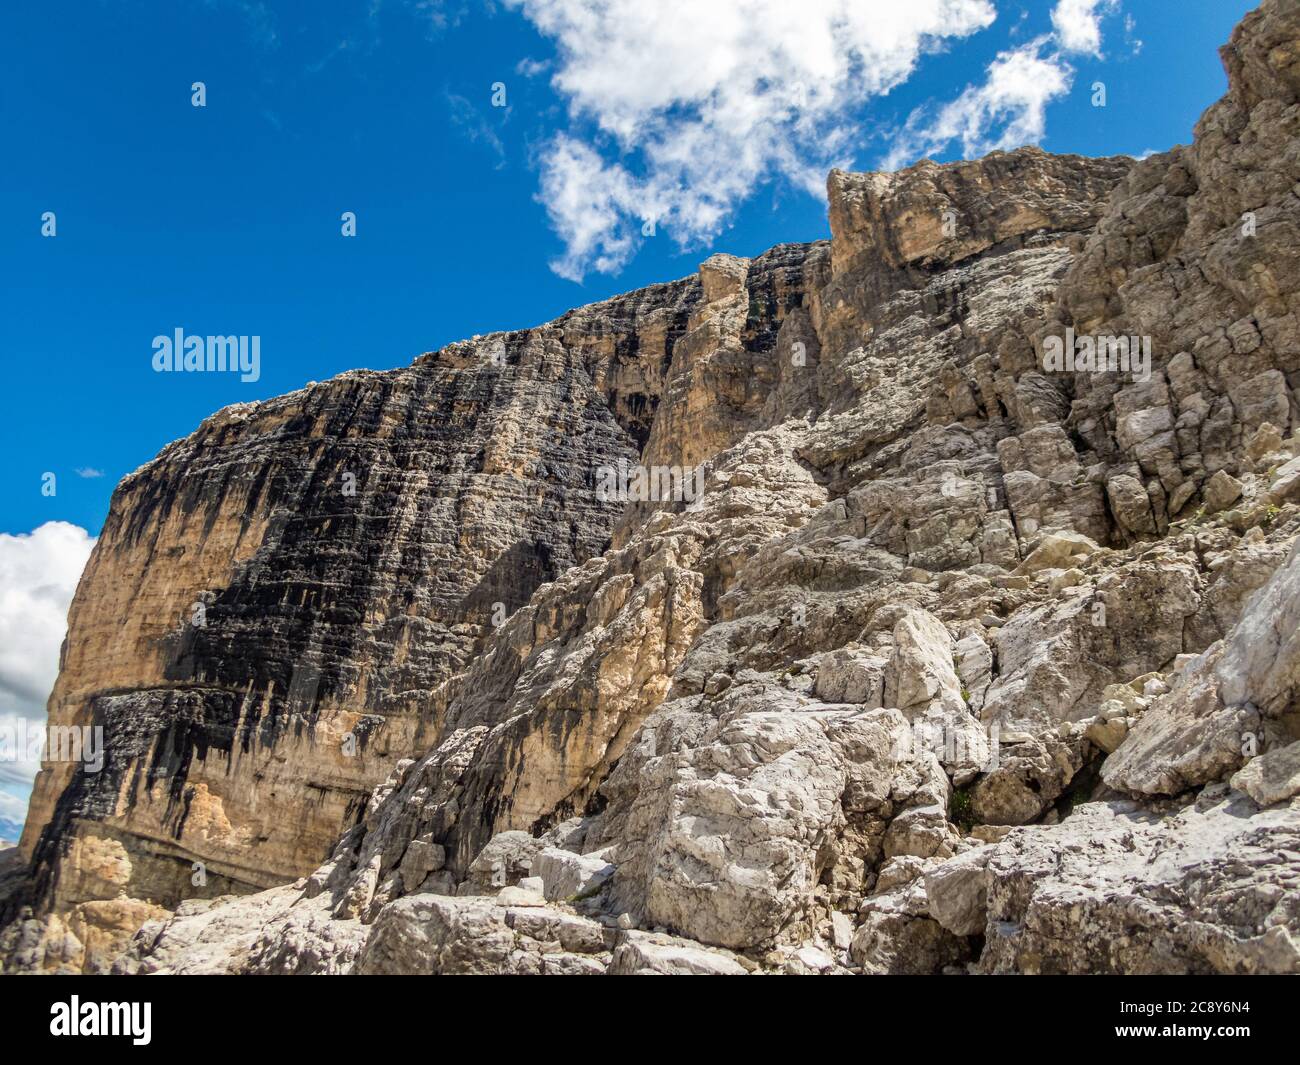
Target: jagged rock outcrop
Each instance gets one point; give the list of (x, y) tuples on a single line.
[(963, 660), (274, 602)]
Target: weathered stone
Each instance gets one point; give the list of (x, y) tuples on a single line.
[(1029, 777), (565, 875), (647, 952), (1204, 729), (1057, 550), (764, 717), (890, 941), (957, 892), (852, 677), (1104, 891), (1272, 777), (1285, 486), (1221, 491)]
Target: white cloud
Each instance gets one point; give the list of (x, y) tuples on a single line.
[(1078, 24), (701, 101), (1131, 39), (530, 67), (13, 812), (1010, 108), (38, 574)]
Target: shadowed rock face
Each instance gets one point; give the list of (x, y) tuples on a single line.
[(948, 631), (275, 601), (302, 574)]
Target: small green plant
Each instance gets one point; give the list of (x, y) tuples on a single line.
[(965, 695), (1270, 515), (590, 893), (960, 811)]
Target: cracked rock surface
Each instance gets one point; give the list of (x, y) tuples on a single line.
[(957, 664)]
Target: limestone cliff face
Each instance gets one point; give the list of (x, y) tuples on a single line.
[(962, 661), (276, 603), (275, 600)]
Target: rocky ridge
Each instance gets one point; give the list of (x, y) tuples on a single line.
[(958, 663)]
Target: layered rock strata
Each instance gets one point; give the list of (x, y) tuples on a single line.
[(962, 661)]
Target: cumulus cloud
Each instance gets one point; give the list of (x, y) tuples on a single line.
[(690, 105), (38, 574), (1009, 108), (1078, 24)]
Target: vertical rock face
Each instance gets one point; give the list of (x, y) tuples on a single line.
[(951, 626), (274, 601)]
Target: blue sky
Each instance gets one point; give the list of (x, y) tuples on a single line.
[(470, 217)]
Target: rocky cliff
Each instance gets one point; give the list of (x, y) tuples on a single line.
[(965, 657)]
